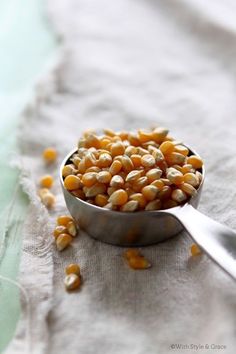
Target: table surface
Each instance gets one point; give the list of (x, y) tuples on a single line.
[(23, 59)]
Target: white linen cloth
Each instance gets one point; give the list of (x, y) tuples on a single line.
[(128, 64)]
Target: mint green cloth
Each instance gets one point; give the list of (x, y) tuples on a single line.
[(26, 44)]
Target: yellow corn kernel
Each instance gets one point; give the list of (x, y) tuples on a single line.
[(131, 252), (166, 181), (105, 160), (72, 282), (175, 158), (150, 143), (81, 166), (131, 150), (104, 177), (103, 151), (139, 183), (101, 200), (148, 160), (144, 136), (97, 188), (136, 159), (89, 179), (130, 206), (182, 149), (159, 134), (115, 139), (79, 194), (195, 161), (68, 170), (174, 176), (110, 206), (187, 188), (133, 175), (158, 183), (154, 174), (92, 169), (192, 179), (199, 176), (168, 138), (47, 198), (195, 250), (133, 139), (179, 196), (89, 160), (139, 262), (109, 132), (75, 160), (117, 149), (115, 167), (81, 152), (139, 198), (111, 190), (73, 269), (123, 135), (127, 163), (153, 205), (157, 154), (177, 167), (104, 142), (88, 132), (150, 192), (119, 197), (71, 228), (64, 220), (59, 230), (63, 241), (72, 182), (167, 147), (50, 154), (187, 169), (92, 140), (46, 181), (141, 151), (165, 193), (117, 181), (169, 203)]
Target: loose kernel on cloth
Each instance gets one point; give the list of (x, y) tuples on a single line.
[(195, 250), (73, 269), (46, 181), (47, 198), (49, 154), (63, 241), (136, 260), (72, 229), (72, 282), (133, 171), (64, 220)]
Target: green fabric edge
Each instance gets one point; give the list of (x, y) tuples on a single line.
[(27, 43)]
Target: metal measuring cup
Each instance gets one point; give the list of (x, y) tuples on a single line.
[(144, 228)]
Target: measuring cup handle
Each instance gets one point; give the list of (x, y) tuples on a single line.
[(217, 240)]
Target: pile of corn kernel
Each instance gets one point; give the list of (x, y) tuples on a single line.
[(64, 232), (72, 280), (145, 170), (127, 172)]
